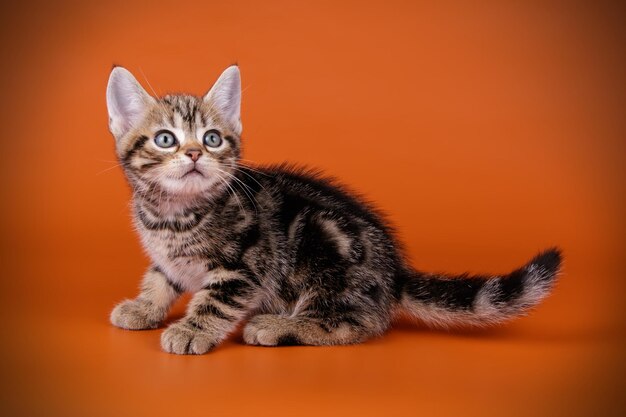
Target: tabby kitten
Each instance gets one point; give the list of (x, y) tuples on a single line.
[(298, 257)]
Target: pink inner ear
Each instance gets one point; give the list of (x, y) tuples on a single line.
[(225, 96), (126, 100)]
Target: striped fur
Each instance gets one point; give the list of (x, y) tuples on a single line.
[(297, 256)]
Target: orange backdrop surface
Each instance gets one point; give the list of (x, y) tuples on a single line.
[(486, 131)]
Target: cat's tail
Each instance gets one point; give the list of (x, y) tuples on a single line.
[(447, 301)]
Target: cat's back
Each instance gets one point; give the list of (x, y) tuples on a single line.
[(298, 188)]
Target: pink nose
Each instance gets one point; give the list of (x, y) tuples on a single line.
[(194, 154)]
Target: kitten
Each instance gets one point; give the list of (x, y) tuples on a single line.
[(294, 254)]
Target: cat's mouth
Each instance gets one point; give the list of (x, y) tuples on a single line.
[(193, 172)]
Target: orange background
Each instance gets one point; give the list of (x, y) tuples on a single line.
[(486, 131)]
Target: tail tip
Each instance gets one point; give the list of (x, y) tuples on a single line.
[(550, 260)]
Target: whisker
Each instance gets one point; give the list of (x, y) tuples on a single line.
[(250, 176), (230, 189), (148, 82), (109, 168), (157, 95), (248, 194), (254, 169)]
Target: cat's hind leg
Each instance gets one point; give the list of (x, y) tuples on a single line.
[(338, 292), (279, 330)]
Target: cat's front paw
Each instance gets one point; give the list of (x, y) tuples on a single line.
[(183, 339), (134, 315)]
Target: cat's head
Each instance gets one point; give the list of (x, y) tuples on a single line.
[(177, 144)]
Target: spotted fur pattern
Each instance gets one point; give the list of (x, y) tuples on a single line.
[(294, 254)]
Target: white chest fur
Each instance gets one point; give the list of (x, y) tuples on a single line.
[(163, 247)]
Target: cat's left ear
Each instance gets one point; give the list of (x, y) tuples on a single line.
[(225, 97), (127, 102)]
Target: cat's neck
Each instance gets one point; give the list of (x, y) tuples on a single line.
[(168, 205)]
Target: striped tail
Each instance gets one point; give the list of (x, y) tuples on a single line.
[(447, 301)]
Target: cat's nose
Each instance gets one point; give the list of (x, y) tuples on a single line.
[(194, 154)]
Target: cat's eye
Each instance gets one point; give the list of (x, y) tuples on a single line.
[(212, 139), (165, 139)]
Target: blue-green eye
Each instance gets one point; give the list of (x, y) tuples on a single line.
[(165, 139), (212, 139)]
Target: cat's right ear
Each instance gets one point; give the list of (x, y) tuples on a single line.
[(127, 102), (225, 97)]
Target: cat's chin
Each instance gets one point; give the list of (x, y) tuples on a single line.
[(190, 185)]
